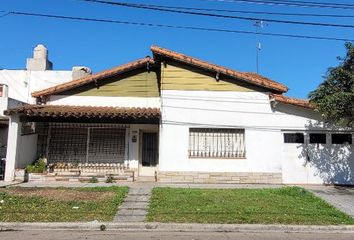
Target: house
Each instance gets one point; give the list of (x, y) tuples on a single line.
[(175, 118), (16, 86)]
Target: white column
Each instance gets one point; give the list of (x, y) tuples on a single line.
[(12, 146)]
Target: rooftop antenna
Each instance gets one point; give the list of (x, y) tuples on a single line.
[(259, 24)]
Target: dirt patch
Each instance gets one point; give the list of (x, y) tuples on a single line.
[(60, 194)]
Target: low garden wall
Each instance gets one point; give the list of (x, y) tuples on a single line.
[(220, 177)]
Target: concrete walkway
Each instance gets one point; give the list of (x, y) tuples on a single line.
[(340, 197), (7, 184), (135, 205)]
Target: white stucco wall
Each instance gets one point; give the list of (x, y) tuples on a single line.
[(182, 110), (12, 147), (21, 83), (105, 101), (133, 148), (252, 111), (27, 152), (318, 163)]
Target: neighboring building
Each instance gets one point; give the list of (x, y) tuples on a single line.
[(16, 86), (179, 119)]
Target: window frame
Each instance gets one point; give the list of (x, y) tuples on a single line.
[(318, 133), (295, 132), (342, 133), (236, 154)]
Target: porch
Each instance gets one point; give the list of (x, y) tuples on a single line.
[(79, 143)]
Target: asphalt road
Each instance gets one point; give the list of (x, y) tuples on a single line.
[(107, 235)]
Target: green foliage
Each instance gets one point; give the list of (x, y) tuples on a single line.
[(39, 166), (287, 205), (93, 180), (39, 209), (110, 179), (334, 98)]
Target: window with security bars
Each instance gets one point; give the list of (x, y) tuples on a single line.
[(217, 143), (81, 143)]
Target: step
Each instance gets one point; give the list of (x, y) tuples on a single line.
[(146, 179)]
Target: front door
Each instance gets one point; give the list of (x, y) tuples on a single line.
[(149, 154)]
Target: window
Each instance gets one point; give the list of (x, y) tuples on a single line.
[(294, 138), (28, 128), (216, 143), (318, 138), (81, 143), (341, 138)]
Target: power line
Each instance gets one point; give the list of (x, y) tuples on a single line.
[(177, 26), (249, 12), (291, 3), (303, 2), (140, 6)]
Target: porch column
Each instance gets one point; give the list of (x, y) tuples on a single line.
[(12, 147)]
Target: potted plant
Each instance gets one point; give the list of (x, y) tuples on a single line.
[(37, 169)]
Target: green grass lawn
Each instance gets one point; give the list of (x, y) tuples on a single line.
[(60, 204), (287, 205)]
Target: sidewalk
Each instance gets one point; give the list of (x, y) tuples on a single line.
[(7, 184), (338, 196), (146, 185), (177, 227)]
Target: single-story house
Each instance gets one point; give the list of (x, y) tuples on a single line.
[(176, 118)]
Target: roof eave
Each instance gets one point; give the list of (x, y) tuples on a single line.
[(95, 77), (292, 101), (157, 51)]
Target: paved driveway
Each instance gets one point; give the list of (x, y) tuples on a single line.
[(340, 197)]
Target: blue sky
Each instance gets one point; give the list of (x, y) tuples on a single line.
[(298, 63)]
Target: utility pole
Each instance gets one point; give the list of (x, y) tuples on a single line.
[(259, 24)]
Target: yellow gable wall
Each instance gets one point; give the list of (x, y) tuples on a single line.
[(181, 77), (174, 76), (135, 84)]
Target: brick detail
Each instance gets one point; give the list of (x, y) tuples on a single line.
[(220, 177)]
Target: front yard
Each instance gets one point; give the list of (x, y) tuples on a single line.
[(287, 205), (60, 204)]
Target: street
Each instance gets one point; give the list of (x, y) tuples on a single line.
[(103, 235)]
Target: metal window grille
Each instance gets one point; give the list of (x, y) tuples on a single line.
[(81, 143), (216, 143)]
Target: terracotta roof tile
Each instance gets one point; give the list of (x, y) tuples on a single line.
[(292, 101), (67, 111), (92, 78), (253, 78)]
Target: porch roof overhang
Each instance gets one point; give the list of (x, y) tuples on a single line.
[(70, 113)]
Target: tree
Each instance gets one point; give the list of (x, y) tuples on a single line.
[(334, 98)]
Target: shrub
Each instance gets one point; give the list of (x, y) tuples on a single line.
[(93, 180), (39, 166), (110, 179)]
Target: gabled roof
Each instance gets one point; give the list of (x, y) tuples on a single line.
[(249, 77), (93, 78), (292, 101), (66, 111), (159, 52)]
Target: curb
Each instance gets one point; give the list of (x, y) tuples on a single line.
[(176, 227)]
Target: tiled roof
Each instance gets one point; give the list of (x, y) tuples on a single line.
[(92, 78), (292, 101), (66, 111), (249, 77)]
